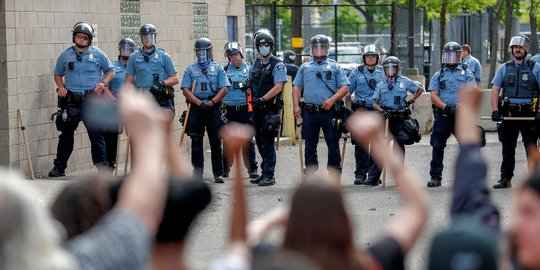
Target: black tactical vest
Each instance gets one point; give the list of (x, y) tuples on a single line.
[(520, 82), (263, 80)]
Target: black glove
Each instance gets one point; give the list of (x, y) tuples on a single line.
[(156, 87), (410, 102), (449, 110), (385, 114), (496, 116), (246, 84), (257, 102), (205, 105)]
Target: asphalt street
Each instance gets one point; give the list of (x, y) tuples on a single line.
[(370, 208)]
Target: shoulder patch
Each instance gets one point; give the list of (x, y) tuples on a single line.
[(280, 67)]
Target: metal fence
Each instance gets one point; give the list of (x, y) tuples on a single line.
[(350, 27)]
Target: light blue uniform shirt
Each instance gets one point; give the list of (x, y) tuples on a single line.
[(499, 77), (536, 58), (453, 80), (359, 79), (392, 95), (158, 62), (209, 80), (474, 66), (318, 88), (82, 75), (235, 96), (119, 77)]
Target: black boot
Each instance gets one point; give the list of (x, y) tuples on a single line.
[(503, 183), (360, 179), (57, 172), (434, 182)]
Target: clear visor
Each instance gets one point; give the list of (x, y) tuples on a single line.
[(148, 40), (126, 49), (232, 47), (370, 50), (319, 50), (202, 56), (390, 70), (451, 58)]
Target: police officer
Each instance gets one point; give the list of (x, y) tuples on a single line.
[(268, 75), (235, 103), (364, 80), (78, 71), (324, 84), (390, 99), (444, 88), (210, 88), (151, 69), (518, 80), (472, 63), (126, 47), (288, 59)]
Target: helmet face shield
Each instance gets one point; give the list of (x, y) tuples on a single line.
[(451, 57), (319, 50), (148, 40), (232, 48), (126, 49), (203, 56), (390, 69)]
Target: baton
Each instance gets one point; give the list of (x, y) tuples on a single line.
[(343, 154), (299, 125), (386, 123), (23, 129), (280, 128), (187, 115), (510, 118)]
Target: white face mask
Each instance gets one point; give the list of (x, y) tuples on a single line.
[(264, 51)]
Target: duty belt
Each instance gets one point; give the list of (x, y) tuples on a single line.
[(400, 114), (238, 108)]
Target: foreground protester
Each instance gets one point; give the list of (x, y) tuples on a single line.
[(470, 242), (318, 205)]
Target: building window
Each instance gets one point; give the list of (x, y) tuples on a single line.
[(232, 28), (130, 19), (200, 20)]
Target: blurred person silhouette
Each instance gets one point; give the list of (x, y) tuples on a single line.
[(318, 205)]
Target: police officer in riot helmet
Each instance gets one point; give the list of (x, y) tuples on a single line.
[(324, 84), (81, 71), (518, 80), (390, 99), (268, 75), (444, 87), (151, 69), (364, 80), (126, 47), (235, 104), (288, 59), (210, 88)]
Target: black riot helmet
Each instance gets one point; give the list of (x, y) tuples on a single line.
[(451, 54), (289, 57), (263, 38), (370, 50), (319, 42), (389, 63), (148, 33), (126, 47), (203, 50), (84, 28), (232, 48)]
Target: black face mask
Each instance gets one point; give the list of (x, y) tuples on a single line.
[(121, 57), (80, 46)]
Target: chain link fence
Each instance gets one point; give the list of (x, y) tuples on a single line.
[(351, 27)]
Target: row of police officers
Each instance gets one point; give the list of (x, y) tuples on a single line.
[(87, 79)]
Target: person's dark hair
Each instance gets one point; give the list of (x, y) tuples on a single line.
[(318, 226), (533, 181), (81, 204), (466, 47)]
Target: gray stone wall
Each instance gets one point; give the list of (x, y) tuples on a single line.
[(34, 33)]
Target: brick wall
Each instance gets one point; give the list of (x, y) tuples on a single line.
[(34, 33)]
